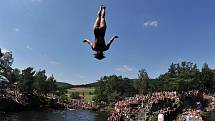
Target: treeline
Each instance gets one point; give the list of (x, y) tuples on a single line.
[(186, 76), (28, 81), (180, 76)]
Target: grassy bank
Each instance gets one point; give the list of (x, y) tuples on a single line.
[(86, 93)]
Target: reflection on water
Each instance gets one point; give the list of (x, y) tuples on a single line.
[(66, 115)]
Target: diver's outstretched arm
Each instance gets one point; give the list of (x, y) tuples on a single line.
[(88, 42), (111, 40)]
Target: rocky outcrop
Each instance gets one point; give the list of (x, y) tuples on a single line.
[(11, 99)]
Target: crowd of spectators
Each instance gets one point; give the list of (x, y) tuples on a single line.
[(192, 93), (190, 115), (122, 108), (11, 91), (79, 104)]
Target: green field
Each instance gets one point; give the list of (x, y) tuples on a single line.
[(86, 93)]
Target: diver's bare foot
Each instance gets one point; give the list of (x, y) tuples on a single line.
[(116, 36), (103, 6), (84, 41)]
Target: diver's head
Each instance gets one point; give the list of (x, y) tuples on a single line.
[(99, 55)]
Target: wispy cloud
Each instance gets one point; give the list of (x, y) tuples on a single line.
[(81, 76), (38, 1), (16, 29), (28, 47), (151, 23), (54, 62), (124, 68)]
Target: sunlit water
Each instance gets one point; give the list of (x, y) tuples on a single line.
[(66, 115)]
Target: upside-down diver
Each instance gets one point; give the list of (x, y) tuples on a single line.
[(99, 29)]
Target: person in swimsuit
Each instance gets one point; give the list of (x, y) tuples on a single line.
[(99, 29)]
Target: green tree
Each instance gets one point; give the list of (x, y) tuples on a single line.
[(27, 79), (75, 95), (181, 76), (14, 75), (28, 74), (141, 84), (112, 88), (100, 93), (39, 84), (213, 86), (207, 77), (60, 91), (143, 74), (50, 85)]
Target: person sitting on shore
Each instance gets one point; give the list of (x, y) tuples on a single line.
[(99, 31)]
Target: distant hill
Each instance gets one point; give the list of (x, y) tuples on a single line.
[(94, 84), (64, 85), (67, 85)]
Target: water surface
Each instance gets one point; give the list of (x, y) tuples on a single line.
[(60, 115)]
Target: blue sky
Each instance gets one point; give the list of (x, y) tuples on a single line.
[(48, 34)]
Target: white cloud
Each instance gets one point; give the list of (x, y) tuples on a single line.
[(81, 76), (151, 23), (38, 1), (16, 29), (54, 63), (28, 47), (4, 50), (124, 68)]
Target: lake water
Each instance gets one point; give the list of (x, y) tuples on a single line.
[(62, 115)]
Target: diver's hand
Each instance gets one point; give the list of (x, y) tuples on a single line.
[(85, 40), (115, 36)]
